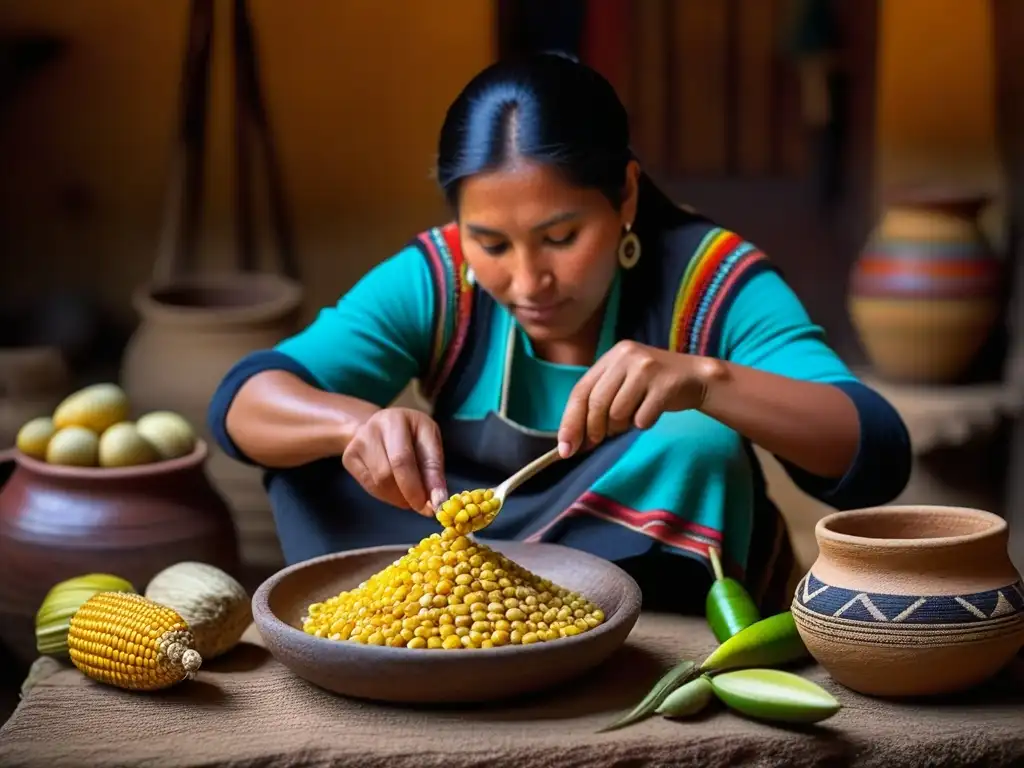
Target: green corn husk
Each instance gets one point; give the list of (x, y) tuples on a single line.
[(768, 642), (647, 706), (689, 699), (53, 619), (774, 695)]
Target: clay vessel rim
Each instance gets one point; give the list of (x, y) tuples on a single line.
[(281, 295), (168, 466), (824, 533)]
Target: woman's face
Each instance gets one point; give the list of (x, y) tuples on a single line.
[(545, 249)]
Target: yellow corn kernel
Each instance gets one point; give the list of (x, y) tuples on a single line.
[(123, 639), (467, 512), (449, 592)]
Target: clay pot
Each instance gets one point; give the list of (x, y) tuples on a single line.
[(911, 601), (926, 292), (33, 380), (191, 333), (57, 522)]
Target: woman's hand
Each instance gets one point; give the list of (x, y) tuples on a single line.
[(396, 456), (631, 384)]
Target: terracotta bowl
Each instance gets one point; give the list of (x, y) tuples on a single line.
[(911, 600), (426, 676)]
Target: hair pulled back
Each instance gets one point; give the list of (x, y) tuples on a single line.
[(544, 107)]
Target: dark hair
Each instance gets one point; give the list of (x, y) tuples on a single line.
[(545, 107)]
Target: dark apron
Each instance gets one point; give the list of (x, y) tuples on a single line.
[(319, 508)]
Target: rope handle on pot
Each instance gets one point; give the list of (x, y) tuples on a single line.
[(178, 241)]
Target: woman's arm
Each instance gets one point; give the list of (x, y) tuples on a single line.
[(303, 400), (775, 382), (813, 426), (278, 420), (781, 386)]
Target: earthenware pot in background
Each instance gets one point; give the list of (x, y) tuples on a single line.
[(926, 292), (911, 601), (192, 331), (57, 522)]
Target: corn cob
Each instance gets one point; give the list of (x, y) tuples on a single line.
[(125, 640)]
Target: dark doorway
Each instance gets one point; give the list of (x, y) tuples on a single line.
[(719, 108)]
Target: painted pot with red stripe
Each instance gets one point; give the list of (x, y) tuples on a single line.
[(927, 290)]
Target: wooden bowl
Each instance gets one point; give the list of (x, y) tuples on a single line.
[(409, 675)]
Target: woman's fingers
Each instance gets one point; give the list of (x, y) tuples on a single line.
[(615, 391), (430, 456), (367, 461), (572, 430), (404, 463), (627, 400), (599, 404), (650, 410), (397, 457)]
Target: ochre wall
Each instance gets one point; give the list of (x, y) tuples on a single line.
[(356, 88), (936, 93)]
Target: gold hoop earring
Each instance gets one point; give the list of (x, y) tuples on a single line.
[(629, 249)]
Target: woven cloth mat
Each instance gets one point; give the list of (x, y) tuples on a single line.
[(247, 711)]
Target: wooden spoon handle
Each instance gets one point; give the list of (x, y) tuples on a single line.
[(524, 474)]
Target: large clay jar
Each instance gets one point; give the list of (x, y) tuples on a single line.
[(911, 601), (190, 334), (57, 522), (926, 292)]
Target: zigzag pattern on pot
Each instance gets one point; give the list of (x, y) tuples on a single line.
[(837, 602)]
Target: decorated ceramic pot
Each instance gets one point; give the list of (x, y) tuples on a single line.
[(911, 600), (926, 291)]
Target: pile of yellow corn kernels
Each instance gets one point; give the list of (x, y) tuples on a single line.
[(451, 592)]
